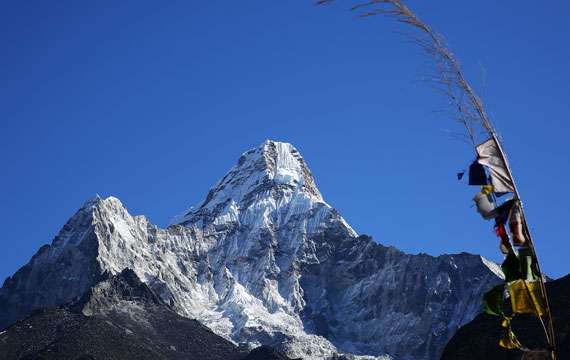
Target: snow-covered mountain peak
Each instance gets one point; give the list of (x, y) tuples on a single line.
[(272, 170), (109, 203), (264, 260), (78, 227), (286, 166), (92, 202)]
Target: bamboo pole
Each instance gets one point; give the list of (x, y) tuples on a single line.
[(451, 76), (550, 332)]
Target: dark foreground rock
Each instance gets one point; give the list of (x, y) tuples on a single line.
[(265, 353), (479, 338), (119, 318)]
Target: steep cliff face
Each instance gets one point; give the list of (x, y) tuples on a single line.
[(265, 260), (367, 298), (56, 273)]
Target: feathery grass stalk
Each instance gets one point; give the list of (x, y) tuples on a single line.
[(470, 109)]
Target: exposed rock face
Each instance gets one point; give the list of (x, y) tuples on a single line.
[(57, 273), (479, 338), (119, 318), (265, 260), (363, 293), (265, 353)]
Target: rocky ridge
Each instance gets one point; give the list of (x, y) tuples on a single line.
[(119, 318), (479, 338)]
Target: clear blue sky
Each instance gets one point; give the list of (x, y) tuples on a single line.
[(153, 101)]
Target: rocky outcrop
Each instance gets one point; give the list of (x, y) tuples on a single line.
[(479, 339), (119, 318)]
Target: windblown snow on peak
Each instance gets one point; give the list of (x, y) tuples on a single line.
[(273, 167), (269, 186)]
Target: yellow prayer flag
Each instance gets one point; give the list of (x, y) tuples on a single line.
[(509, 341), (526, 297)]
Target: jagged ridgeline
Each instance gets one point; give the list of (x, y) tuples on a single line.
[(118, 318), (264, 260)]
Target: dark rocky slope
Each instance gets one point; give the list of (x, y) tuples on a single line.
[(479, 338), (265, 353), (120, 318)]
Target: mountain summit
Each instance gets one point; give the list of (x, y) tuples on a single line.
[(266, 178), (270, 166), (264, 260)]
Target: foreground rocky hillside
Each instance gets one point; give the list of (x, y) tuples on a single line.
[(119, 318), (264, 260), (479, 338)]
